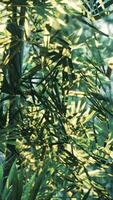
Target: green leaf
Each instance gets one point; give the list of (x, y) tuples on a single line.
[(28, 188), (87, 194), (1, 178), (11, 183), (39, 180)]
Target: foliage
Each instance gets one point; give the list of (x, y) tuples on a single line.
[(62, 105)]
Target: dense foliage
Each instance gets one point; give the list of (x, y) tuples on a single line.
[(56, 100)]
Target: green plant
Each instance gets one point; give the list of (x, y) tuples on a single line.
[(58, 112)]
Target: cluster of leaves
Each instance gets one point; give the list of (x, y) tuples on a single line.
[(63, 117)]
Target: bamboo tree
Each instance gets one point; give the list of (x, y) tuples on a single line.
[(13, 71), (65, 129)]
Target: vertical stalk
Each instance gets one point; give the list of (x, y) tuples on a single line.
[(14, 71)]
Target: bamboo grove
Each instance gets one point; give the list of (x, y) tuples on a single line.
[(56, 113)]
